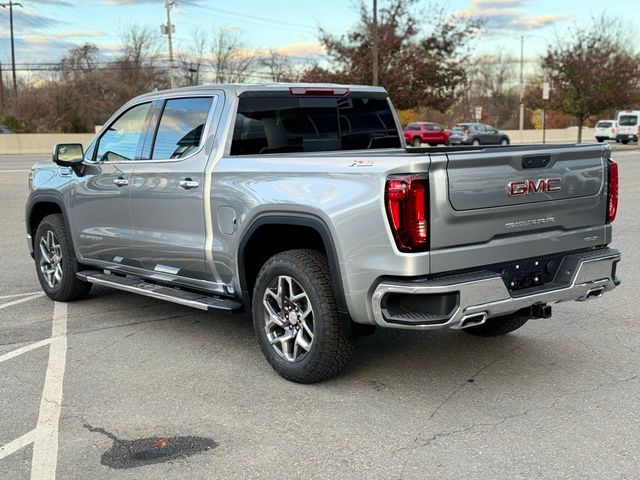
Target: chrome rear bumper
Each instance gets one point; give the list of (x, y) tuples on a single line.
[(483, 294)]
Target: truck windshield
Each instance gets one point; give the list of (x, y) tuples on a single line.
[(283, 123), (628, 120)]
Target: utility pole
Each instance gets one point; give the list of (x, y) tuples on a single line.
[(168, 30), (10, 5), (521, 123), (1, 91), (374, 43)]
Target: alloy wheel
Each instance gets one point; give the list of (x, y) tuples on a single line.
[(50, 259), (288, 318)]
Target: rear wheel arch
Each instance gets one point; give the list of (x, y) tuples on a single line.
[(294, 231)]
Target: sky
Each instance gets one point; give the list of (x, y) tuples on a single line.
[(46, 29)]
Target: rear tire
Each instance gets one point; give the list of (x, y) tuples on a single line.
[(497, 326), (56, 263), (504, 142), (600, 139), (416, 142), (624, 142), (295, 317)]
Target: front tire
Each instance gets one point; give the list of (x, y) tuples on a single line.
[(295, 317), (504, 142), (494, 327), (475, 142), (56, 263), (416, 142)]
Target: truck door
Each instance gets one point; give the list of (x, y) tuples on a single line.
[(168, 189), (101, 200)]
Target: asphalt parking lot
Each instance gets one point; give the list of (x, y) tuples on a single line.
[(94, 389)]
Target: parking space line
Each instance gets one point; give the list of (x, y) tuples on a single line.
[(20, 300), (25, 349), (17, 444), (15, 295), (45, 445)]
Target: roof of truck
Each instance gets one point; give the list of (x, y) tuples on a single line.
[(238, 88)]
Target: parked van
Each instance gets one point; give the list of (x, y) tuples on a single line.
[(628, 126)]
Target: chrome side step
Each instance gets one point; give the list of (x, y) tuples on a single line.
[(162, 292)]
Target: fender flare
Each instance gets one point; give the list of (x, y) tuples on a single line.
[(302, 220), (37, 198)]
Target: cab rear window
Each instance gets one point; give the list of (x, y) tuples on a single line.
[(280, 123)]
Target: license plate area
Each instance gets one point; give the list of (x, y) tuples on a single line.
[(529, 273)]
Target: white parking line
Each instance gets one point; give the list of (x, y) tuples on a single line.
[(14, 295), (21, 300), (17, 444), (45, 444), (25, 349)]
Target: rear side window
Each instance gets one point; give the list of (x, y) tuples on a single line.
[(413, 126), (603, 125), (628, 120), (180, 130), (283, 123), (120, 141)]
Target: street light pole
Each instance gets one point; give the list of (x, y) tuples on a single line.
[(521, 122), (374, 43), (10, 5)]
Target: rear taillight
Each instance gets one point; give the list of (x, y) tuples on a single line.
[(639, 129), (466, 131), (613, 130), (319, 91), (612, 195), (406, 199)]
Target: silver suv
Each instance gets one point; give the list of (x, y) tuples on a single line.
[(301, 204)]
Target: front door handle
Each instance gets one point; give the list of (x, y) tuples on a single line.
[(188, 184), (120, 182)]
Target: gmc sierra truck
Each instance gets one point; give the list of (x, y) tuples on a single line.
[(301, 204)]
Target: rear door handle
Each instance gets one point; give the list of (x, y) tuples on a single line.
[(120, 182), (188, 184)]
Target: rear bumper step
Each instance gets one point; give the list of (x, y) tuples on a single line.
[(161, 292), (468, 299)]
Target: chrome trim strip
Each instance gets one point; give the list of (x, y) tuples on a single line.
[(30, 244), (488, 293), (166, 269)]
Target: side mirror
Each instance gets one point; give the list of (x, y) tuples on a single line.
[(68, 154)]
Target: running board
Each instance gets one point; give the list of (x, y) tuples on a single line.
[(162, 292)]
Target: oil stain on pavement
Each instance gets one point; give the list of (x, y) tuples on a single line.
[(147, 451)]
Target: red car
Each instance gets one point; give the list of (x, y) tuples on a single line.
[(431, 133)]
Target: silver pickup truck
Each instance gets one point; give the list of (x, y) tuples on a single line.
[(301, 204)]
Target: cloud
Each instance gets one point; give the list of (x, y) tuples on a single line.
[(507, 15), (137, 2), (25, 19), (539, 21), (307, 49)]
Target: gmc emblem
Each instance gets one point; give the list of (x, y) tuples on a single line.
[(531, 187)]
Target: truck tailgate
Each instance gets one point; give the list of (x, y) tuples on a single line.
[(502, 204)]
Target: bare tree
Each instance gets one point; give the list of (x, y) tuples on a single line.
[(229, 60), (192, 59), (279, 67)]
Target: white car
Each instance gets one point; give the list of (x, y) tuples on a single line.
[(605, 130)]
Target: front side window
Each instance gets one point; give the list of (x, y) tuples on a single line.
[(181, 125), (628, 120), (281, 123), (120, 141)]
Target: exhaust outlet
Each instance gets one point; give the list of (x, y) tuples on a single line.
[(473, 320)]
